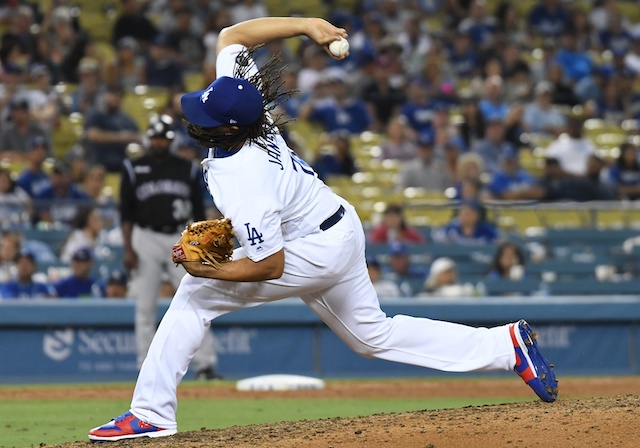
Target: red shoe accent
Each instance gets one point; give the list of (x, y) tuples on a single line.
[(525, 372)]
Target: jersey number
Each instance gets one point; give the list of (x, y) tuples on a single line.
[(181, 209), (304, 166)]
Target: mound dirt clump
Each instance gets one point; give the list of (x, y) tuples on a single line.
[(586, 422)]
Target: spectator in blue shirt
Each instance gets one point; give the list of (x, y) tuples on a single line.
[(402, 272), (24, 286), (478, 25), (615, 37), (625, 173), (467, 228), (463, 58), (60, 201), (539, 116), (548, 19), (576, 64), (492, 106), (338, 112), (80, 284), (33, 180), (557, 185), (493, 145), (417, 109), (162, 69), (337, 160), (510, 178), (109, 130)]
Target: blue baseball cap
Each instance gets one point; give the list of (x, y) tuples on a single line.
[(233, 101), (83, 254), (27, 254), (117, 276), (509, 154), (38, 142)]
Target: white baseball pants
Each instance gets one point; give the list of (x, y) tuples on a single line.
[(328, 271)]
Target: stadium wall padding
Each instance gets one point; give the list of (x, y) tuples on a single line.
[(93, 340)]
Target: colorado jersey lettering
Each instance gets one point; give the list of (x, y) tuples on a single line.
[(169, 195)]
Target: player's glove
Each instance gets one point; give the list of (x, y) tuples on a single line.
[(207, 241)]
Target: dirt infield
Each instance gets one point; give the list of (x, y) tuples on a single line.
[(576, 420)]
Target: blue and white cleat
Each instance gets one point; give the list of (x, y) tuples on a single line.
[(127, 426), (530, 364)]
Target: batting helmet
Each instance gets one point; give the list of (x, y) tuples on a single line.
[(161, 126)]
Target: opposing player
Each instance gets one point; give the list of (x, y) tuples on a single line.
[(159, 194), (297, 239)]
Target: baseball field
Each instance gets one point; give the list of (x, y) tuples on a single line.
[(461, 412)]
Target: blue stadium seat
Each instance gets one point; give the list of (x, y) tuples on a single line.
[(589, 237), (594, 287), (54, 238), (471, 271), (498, 287), (562, 269)]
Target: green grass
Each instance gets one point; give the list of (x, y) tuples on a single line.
[(29, 423)]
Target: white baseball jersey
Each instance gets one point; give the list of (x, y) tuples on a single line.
[(276, 201), (270, 196)]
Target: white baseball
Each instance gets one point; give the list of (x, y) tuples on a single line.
[(339, 48)]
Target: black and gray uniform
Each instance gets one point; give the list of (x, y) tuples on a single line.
[(159, 198)]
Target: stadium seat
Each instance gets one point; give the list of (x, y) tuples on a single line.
[(588, 237), (516, 219), (434, 217), (471, 271), (594, 287), (194, 81), (564, 218), (562, 270), (611, 218), (98, 24), (67, 134), (54, 238), (629, 10), (430, 251), (508, 287), (144, 102), (112, 185)]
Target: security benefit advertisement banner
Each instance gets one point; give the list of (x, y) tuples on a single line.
[(103, 354), (62, 354)]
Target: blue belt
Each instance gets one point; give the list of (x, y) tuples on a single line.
[(333, 219)]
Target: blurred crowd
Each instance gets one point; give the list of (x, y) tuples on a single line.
[(458, 90)]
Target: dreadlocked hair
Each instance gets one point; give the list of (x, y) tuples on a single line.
[(268, 80)]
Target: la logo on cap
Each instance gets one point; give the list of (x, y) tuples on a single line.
[(205, 95)]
